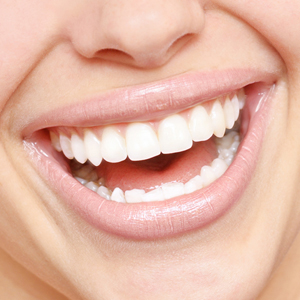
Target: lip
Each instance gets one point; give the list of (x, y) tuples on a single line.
[(175, 216), (149, 101)]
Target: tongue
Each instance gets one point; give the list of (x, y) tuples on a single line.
[(179, 167)]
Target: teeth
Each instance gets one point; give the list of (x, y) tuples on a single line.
[(227, 148), (236, 107), (66, 147), (118, 195), (142, 142), (208, 175), (172, 189), (104, 192), (155, 195), (201, 126), (229, 113), (134, 196), (55, 141), (92, 147), (174, 135), (113, 146), (193, 184), (78, 148), (218, 119)]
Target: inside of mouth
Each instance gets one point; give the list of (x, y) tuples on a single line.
[(177, 169)]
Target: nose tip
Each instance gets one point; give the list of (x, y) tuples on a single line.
[(140, 33)]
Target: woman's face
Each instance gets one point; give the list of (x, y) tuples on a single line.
[(121, 74)]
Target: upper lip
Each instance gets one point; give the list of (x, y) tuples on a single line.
[(148, 101)]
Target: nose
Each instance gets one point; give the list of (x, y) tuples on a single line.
[(142, 33)]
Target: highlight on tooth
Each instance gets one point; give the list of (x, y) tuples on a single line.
[(142, 141)]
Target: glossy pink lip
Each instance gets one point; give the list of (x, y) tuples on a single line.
[(178, 215)]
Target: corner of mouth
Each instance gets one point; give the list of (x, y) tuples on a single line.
[(193, 207)]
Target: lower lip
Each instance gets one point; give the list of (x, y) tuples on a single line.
[(182, 214)]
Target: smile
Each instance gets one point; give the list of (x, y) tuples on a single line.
[(176, 168)]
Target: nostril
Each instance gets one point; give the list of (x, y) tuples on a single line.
[(111, 54)]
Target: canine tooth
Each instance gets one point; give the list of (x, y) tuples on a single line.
[(78, 148), (218, 119), (229, 113), (172, 189), (134, 196), (104, 192), (200, 124), (208, 175), (236, 107), (113, 146), (219, 166), (66, 147), (174, 135), (154, 195), (55, 141), (92, 147), (141, 142), (92, 186), (193, 185), (118, 195)]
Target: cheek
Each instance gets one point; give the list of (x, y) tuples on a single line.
[(269, 18)]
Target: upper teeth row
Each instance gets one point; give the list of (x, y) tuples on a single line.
[(141, 141)]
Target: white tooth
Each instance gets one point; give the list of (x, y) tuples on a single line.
[(113, 146), (234, 147), (172, 189), (81, 180), (104, 192), (155, 195), (224, 153), (92, 186), (229, 159), (242, 98), (219, 166), (193, 185), (229, 113), (78, 148), (218, 119), (200, 124), (174, 135), (236, 107), (92, 147), (134, 196), (141, 142), (55, 141), (65, 143), (118, 195), (208, 175), (227, 140)]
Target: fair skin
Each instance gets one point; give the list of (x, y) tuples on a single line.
[(55, 54)]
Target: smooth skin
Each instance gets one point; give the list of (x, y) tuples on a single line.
[(54, 53)]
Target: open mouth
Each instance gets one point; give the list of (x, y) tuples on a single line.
[(147, 152), (157, 177)]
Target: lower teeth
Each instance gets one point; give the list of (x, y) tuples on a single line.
[(227, 148)]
